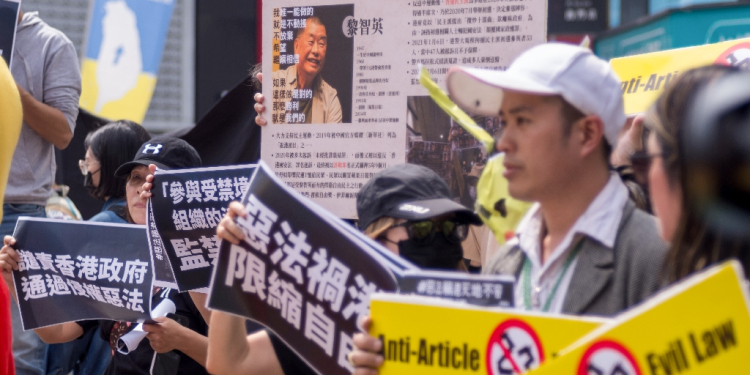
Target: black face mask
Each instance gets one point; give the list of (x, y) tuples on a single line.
[(88, 184), (440, 253)]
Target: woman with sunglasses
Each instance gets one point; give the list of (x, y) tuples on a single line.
[(693, 245), (189, 341), (407, 208)]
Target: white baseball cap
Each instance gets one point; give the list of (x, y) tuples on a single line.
[(585, 81)]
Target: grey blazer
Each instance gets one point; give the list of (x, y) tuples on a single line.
[(605, 281)]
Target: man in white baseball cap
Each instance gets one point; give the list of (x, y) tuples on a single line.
[(583, 248)]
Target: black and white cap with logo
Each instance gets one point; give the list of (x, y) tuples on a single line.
[(411, 192), (165, 153)]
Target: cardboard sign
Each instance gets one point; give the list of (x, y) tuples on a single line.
[(431, 336), (302, 273), (8, 24), (73, 270), (699, 326), (645, 76), (187, 206)]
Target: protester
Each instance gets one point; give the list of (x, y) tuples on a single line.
[(11, 118), (10, 127), (406, 208), (693, 245), (6, 333), (583, 248), (106, 149), (166, 335), (46, 70)]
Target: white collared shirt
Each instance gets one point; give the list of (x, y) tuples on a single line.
[(600, 222)]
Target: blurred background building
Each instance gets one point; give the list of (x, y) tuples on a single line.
[(628, 27)]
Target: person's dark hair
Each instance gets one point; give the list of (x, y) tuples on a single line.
[(114, 144), (254, 82), (693, 247)]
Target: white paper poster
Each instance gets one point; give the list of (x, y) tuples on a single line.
[(342, 95)]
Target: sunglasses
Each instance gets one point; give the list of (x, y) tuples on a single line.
[(426, 230), (641, 161)]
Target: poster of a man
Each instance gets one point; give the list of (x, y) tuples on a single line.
[(313, 99)]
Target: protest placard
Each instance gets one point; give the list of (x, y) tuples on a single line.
[(645, 76), (432, 336), (343, 95), (72, 270), (699, 326), (8, 24), (299, 273), (163, 274), (187, 205), (484, 290)]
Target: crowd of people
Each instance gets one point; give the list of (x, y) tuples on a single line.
[(613, 219)]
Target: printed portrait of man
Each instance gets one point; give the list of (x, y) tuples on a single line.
[(313, 99)]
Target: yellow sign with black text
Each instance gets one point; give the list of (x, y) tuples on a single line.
[(431, 336), (700, 326), (645, 76)]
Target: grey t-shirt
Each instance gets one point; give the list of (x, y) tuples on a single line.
[(46, 65)]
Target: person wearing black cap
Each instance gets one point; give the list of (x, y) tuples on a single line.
[(189, 342), (407, 208)]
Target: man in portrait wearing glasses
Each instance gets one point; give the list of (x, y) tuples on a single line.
[(313, 100)]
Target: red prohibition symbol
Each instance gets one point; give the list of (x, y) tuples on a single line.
[(608, 357), (738, 55), (513, 348)]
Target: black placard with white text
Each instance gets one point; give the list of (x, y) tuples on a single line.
[(72, 271), (8, 24), (482, 290), (187, 205), (163, 275), (300, 273)]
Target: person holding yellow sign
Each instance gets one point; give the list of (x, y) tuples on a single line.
[(583, 248), (697, 162)]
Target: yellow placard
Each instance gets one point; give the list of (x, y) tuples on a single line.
[(700, 326), (431, 336), (645, 76)]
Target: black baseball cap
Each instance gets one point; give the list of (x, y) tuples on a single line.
[(411, 192), (165, 153)]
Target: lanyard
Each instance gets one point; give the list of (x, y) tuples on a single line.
[(527, 279)]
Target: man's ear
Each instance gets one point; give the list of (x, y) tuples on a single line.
[(590, 134)]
